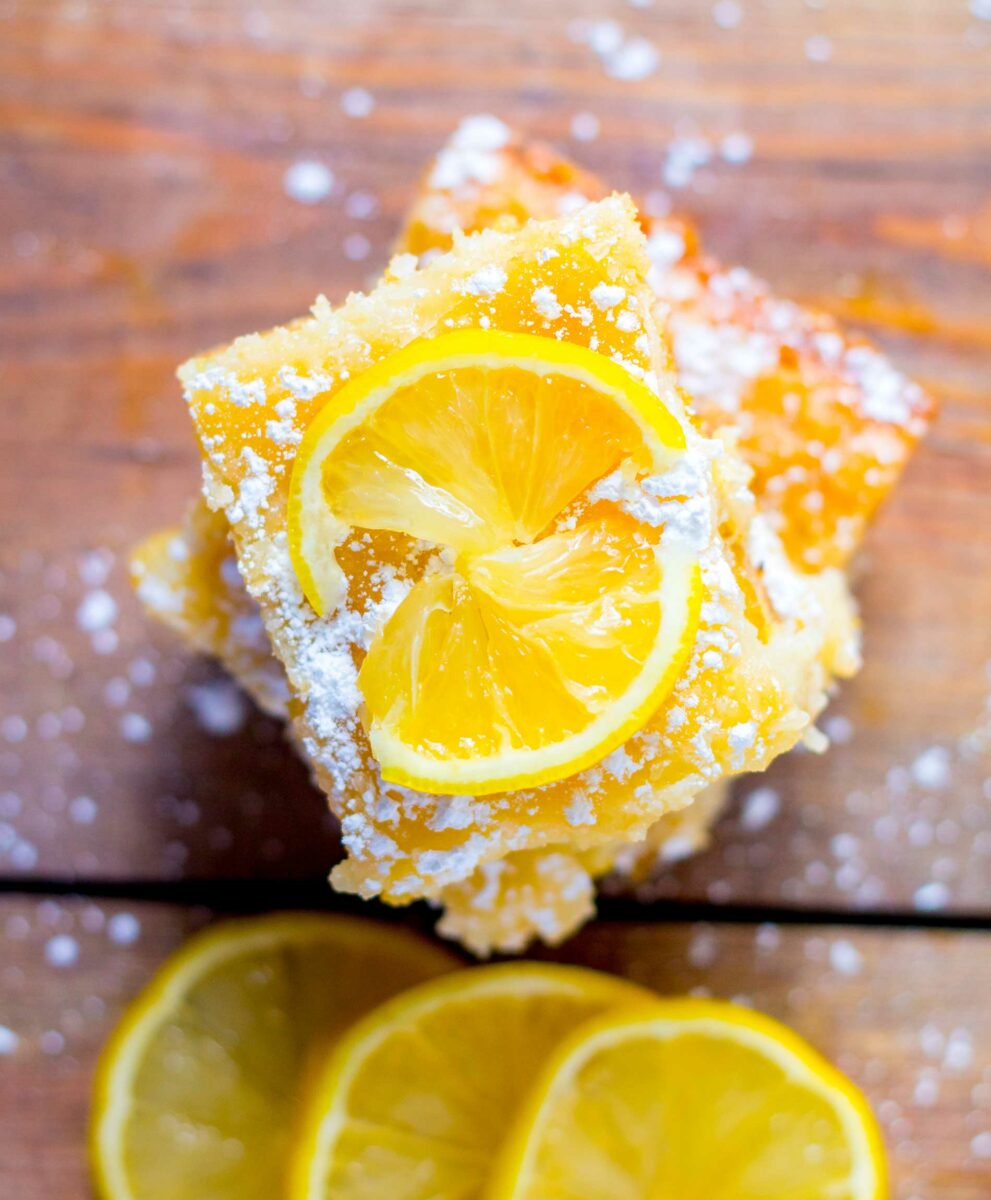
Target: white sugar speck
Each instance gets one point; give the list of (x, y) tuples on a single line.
[(585, 126), (635, 59), (702, 949), (579, 812), (82, 810), (23, 856), (123, 928), (308, 181), (727, 14), (760, 808), (845, 958), (357, 102), (736, 147), (838, 729), (13, 728), (622, 57), (931, 897), (356, 247), (959, 1053), (134, 727), (932, 768), (546, 303), (8, 627), (142, 672), (98, 610), (361, 205), (105, 641), (608, 295), (51, 1042), (980, 1143), (61, 950), (219, 706), (486, 281), (94, 567), (818, 48), (685, 154), (9, 1040)]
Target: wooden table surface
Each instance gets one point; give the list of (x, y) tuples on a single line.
[(145, 213)]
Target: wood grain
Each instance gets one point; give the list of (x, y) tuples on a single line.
[(143, 215), (903, 1012)]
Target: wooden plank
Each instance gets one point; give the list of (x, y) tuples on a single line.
[(144, 149), (904, 1012)]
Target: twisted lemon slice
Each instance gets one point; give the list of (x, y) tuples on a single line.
[(546, 623)]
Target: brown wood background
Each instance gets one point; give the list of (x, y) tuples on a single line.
[(143, 215)]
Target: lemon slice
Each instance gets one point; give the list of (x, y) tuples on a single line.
[(414, 1101), (195, 1095), (545, 623), (691, 1099)]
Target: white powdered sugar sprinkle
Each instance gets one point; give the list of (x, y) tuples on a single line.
[(607, 295), (679, 499), (471, 154), (254, 492), (546, 303), (486, 281)]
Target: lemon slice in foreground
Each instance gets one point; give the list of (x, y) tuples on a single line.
[(545, 623), (414, 1101), (196, 1093), (691, 1099)]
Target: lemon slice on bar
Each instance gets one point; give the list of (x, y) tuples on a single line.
[(197, 1091), (691, 1098), (553, 618)]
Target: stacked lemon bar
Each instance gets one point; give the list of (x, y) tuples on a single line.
[(537, 543)]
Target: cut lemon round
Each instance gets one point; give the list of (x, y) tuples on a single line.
[(414, 1101), (544, 618), (691, 1099), (196, 1093)]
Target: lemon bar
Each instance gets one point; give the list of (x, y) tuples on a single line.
[(730, 710), (485, 177)]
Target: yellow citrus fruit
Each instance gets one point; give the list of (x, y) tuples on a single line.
[(414, 1101), (196, 1093), (547, 622), (691, 1099)]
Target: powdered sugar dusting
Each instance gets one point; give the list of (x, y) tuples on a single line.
[(470, 154)]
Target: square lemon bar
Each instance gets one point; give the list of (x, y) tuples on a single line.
[(580, 280), (189, 578)]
